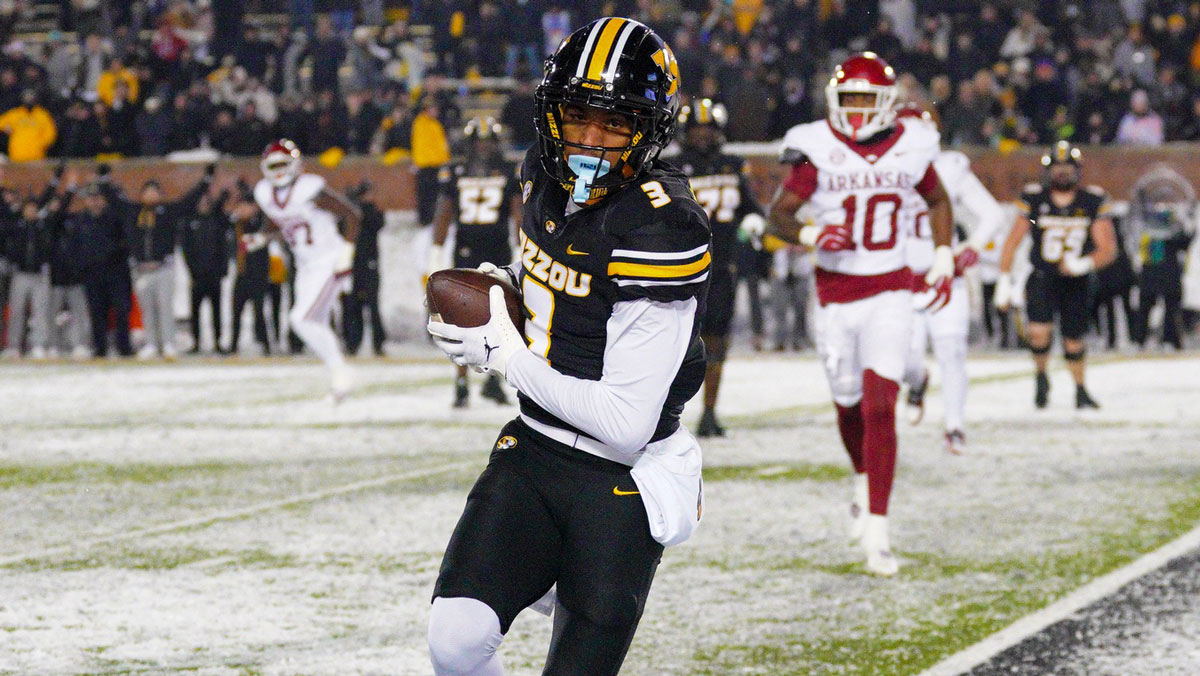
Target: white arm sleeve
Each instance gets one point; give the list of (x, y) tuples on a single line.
[(647, 341), (989, 216)]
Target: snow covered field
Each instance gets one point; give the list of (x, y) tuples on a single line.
[(214, 517)]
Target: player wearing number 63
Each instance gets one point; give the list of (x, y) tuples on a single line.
[(480, 195), (864, 174), (584, 489), (1072, 236)]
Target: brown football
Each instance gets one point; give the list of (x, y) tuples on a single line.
[(460, 297)]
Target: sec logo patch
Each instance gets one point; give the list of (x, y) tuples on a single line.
[(506, 443)]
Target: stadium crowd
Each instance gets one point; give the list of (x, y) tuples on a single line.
[(133, 78), (149, 78)]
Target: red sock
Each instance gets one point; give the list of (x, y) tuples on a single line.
[(879, 438), (850, 424)]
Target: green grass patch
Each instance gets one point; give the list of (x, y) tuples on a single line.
[(18, 475), (961, 602), (802, 471)]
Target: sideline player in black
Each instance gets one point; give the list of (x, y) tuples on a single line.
[(1072, 237), (481, 196), (719, 183), (585, 488)]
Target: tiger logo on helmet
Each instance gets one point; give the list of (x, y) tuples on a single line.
[(618, 65)]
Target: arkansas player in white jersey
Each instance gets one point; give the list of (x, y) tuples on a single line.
[(946, 328), (305, 211), (862, 174)]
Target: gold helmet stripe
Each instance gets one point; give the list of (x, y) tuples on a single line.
[(604, 45)]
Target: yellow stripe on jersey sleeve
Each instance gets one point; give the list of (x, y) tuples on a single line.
[(659, 271)]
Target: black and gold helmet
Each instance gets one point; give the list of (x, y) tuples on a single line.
[(483, 127), (1062, 152), (614, 64), (702, 113)]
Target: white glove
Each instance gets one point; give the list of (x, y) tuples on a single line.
[(437, 259), (754, 225), (345, 259), (254, 241), (808, 236), (1003, 297), (504, 274), (1077, 266), (485, 348), (940, 277)]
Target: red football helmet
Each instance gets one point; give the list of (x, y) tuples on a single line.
[(865, 73), (281, 163)]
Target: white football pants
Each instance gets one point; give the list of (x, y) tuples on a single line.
[(947, 330)]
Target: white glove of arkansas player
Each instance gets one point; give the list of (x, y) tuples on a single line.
[(485, 348)]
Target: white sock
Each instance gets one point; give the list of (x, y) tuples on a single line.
[(951, 353), (464, 634), (875, 537)]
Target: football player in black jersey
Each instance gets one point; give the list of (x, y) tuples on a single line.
[(481, 196), (1072, 236), (584, 489), (719, 183)]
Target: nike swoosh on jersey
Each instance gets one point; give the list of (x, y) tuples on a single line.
[(571, 250), (618, 491)]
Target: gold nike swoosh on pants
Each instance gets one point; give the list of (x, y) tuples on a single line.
[(618, 491)]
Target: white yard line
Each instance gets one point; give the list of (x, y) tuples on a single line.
[(971, 657), (232, 514)]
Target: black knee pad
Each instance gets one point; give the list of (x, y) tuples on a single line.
[(1045, 349), (1074, 356)]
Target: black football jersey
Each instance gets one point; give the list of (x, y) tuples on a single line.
[(720, 185), (481, 202), (649, 239), (1061, 231)]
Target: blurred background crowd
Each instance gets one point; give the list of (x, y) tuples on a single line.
[(195, 80), (80, 78)]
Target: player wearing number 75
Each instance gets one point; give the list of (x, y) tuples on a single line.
[(1072, 236), (596, 475), (863, 174)]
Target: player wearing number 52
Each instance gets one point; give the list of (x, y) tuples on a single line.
[(864, 175), (1072, 236), (480, 196), (305, 212), (584, 489)]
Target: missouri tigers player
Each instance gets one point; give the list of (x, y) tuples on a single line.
[(720, 185), (305, 212), (1072, 236), (947, 328), (480, 195), (864, 176), (614, 270)]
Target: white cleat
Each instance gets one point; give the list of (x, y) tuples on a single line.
[(342, 383), (81, 353), (858, 508), (147, 352), (37, 353), (880, 560), (956, 442)]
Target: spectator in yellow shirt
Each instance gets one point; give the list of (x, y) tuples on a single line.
[(430, 151), (106, 87), (30, 129)]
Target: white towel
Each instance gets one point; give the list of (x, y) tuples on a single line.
[(667, 475)]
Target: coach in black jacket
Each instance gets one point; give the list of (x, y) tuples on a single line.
[(101, 256), (364, 295), (205, 240)]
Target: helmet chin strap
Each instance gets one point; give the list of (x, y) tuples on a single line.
[(587, 169)]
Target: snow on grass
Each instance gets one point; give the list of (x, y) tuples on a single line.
[(340, 583)]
